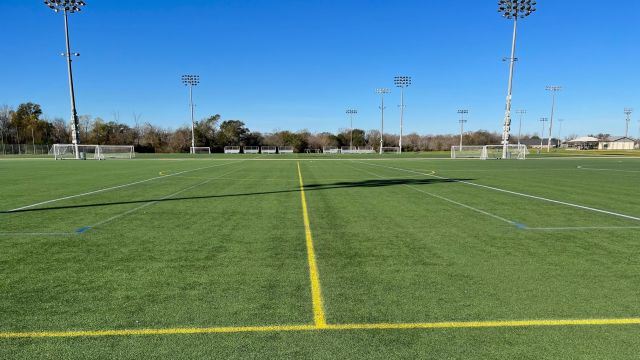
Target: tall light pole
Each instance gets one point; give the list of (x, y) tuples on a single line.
[(544, 126), (560, 121), (462, 121), (522, 113), (554, 89), (69, 7), (382, 92), (402, 82), (512, 9), (351, 113), (191, 81), (628, 112)]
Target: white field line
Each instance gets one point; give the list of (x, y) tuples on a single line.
[(510, 222), (616, 170), (624, 216), (37, 234), (153, 202), (570, 228), (112, 188)]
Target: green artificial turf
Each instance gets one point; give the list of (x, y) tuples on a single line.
[(219, 242)]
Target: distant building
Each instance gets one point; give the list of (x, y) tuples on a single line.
[(616, 143), (535, 143)]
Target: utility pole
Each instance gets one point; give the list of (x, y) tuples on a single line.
[(191, 81), (351, 113), (69, 7), (462, 121), (628, 112), (554, 89), (402, 82), (512, 9), (382, 92), (521, 113), (544, 126)]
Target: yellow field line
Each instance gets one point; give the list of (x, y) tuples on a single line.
[(326, 327), (314, 275)]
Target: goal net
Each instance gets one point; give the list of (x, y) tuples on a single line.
[(390, 150), (485, 152), (200, 150), (268, 149), (285, 149), (232, 149), (514, 151), (251, 150), (92, 152)]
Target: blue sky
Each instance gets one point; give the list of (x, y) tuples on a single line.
[(297, 64)]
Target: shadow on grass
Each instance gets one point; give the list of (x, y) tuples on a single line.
[(373, 183)]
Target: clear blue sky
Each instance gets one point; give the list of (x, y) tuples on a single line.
[(297, 64)]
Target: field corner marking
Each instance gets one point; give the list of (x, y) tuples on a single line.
[(314, 275)]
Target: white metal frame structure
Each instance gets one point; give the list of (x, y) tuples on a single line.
[(200, 150), (285, 150), (485, 152), (251, 150), (390, 149), (330, 150), (93, 152), (268, 149), (232, 149)]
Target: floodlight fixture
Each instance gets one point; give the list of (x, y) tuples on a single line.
[(554, 89), (382, 92), (628, 112), (351, 113), (462, 121), (401, 82), (191, 81), (512, 9), (66, 7)]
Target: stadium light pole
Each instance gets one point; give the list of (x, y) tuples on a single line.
[(554, 89), (69, 7), (402, 82), (351, 113), (560, 121), (521, 113), (191, 81), (462, 121), (382, 92), (512, 9), (543, 120), (628, 112)]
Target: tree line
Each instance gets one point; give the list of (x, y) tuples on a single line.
[(26, 125)]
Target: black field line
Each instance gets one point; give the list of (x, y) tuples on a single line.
[(578, 206), (111, 188), (469, 207), (153, 202)]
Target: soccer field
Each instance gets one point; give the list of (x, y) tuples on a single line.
[(241, 257)]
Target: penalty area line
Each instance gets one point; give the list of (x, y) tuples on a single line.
[(326, 327)]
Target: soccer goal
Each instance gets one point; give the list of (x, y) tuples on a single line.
[(357, 150), (232, 149), (268, 149), (285, 149), (200, 150), (252, 150), (330, 150), (485, 152), (391, 150), (514, 151), (92, 152)]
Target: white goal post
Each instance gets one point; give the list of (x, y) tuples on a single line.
[(285, 150), (93, 152), (200, 150), (357, 150), (251, 150), (232, 149), (484, 152), (268, 149), (330, 150)]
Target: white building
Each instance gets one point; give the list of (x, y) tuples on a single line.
[(616, 143)]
